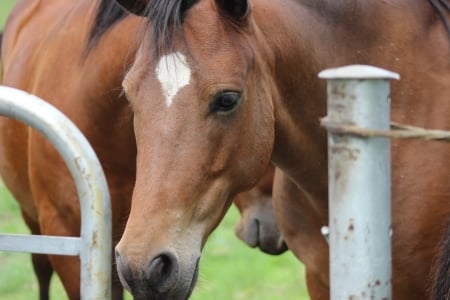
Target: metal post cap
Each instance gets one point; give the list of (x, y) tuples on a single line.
[(358, 72)]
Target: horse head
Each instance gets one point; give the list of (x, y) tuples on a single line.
[(257, 226), (201, 93)]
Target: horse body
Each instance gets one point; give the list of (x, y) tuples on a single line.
[(250, 92), (54, 50), (45, 60), (371, 33), (368, 33)]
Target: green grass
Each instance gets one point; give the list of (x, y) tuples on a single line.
[(5, 7), (229, 270)]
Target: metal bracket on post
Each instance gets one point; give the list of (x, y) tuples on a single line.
[(359, 184), (94, 246)]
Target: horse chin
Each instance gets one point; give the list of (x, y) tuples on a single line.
[(256, 233), (193, 281), (273, 247)]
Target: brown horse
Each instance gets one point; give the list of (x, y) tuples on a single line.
[(223, 87), (75, 55), (246, 91)]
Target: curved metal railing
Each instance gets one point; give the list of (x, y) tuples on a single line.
[(94, 244)]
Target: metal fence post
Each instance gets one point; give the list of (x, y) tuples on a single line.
[(94, 247), (359, 184)]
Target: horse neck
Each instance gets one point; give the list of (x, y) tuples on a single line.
[(308, 36), (300, 100)]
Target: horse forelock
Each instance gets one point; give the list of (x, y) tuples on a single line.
[(165, 19), (108, 13)]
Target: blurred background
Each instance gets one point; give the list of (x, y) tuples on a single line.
[(229, 269)]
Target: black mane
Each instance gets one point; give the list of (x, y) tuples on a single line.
[(443, 8), (441, 280), (108, 13), (165, 19)]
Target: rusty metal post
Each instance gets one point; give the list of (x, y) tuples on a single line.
[(94, 246), (359, 184)]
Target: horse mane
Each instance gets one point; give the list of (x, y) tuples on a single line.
[(108, 13), (440, 288), (165, 19), (443, 8)]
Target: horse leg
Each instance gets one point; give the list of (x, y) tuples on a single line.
[(68, 267), (41, 264), (316, 289), (44, 271), (68, 270)]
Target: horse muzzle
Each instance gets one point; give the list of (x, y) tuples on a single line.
[(163, 277)]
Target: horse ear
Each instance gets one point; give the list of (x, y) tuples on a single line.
[(237, 9), (137, 7)]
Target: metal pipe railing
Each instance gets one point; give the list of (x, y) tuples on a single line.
[(94, 245)]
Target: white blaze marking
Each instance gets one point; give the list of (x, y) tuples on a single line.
[(173, 72)]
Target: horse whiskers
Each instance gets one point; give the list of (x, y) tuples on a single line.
[(440, 6)]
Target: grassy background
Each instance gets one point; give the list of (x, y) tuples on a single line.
[(5, 7), (229, 269)]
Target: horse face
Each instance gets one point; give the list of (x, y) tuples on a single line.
[(203, 120)]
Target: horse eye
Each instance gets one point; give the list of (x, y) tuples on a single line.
[(225, 102)]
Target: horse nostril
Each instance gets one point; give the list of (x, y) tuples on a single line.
[(162, 272)]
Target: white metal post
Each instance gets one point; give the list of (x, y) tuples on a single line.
[(359, 184)]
